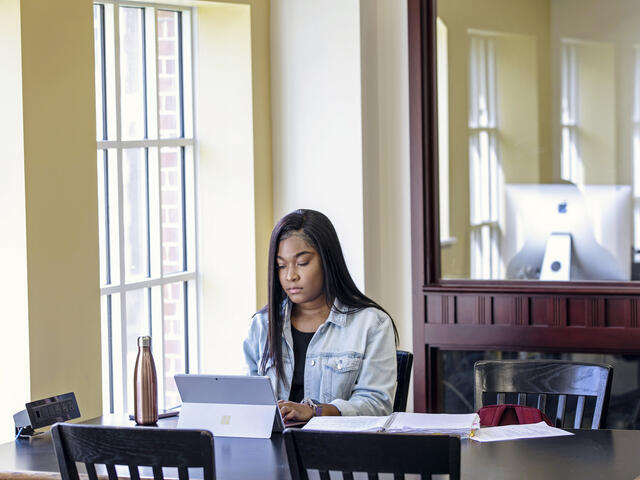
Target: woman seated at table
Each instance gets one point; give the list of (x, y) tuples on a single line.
[(327, 348)]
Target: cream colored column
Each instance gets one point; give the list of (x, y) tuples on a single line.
[(234, 176), (14, 341), (61, 200)]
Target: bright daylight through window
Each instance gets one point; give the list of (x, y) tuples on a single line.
[(146, 180), (485, 181)]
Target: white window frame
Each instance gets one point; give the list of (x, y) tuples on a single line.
[(116, 378), (571, 166), (485, 182), (635, 152), (443, 134)]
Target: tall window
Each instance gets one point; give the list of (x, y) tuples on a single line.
[(146, 179), (485, 184), (571, 165), (443, 131), (636, 155)]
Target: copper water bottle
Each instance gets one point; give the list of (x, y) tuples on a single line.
[(145, 385)]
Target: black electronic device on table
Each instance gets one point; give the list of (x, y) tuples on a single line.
[(47, 411)]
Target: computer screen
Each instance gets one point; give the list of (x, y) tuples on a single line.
[(596, 218)]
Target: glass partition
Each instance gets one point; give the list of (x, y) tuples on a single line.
[(539, 139)]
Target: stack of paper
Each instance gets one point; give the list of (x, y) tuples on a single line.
[(442, 423), (400, 422), (347, 424), (513, 432)]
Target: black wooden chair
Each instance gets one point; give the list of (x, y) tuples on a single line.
[(405, 360), (372, 453), (132, 447), (550, 383)]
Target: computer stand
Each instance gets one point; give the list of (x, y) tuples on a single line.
[(556, 264)]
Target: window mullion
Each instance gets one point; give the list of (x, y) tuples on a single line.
[(159, 318), (122, 340)]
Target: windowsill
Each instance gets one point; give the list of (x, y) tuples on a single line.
[(447, 242)]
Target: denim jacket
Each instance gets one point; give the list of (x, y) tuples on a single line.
[(350, 363)]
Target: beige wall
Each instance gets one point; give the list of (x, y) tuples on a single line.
[(61, 200), (385, 117), (235, 188), (60, 220), (317, 127), (606, 42), (597, 107), (341, 134), (518, 117), (60, 247), (385, 142)]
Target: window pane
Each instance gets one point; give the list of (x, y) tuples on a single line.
[(110, 311), (171, 178), (539, 139), (98, 35), (138, 323), (108, 216), (146, 195), (169, 74), (174, 339), (136, 218), (132, 73)]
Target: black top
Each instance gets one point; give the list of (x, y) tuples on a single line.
[(300, 344), (592, 454)]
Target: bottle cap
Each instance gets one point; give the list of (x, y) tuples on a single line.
[(144, 341)]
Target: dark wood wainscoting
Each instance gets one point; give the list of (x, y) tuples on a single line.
[(522, 322)]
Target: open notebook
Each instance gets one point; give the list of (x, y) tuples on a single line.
[(463, 425)]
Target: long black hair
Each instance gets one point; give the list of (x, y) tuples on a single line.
[(317, 230)]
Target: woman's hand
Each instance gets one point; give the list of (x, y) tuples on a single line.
[(291, 411)]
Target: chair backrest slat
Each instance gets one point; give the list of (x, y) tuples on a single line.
[(111, 470), (134, 474), (404, 360), (547, 378), (542, 401), (522, 399), (562, 405), (374, 453), (132, 447), (91, 471), (577, 422), (157, 473), (183, 473)]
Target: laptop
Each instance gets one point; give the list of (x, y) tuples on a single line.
[(229, 405)]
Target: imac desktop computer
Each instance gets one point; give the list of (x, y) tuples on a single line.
[(561, 232)]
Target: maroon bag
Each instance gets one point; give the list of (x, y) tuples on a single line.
[(509, 414)]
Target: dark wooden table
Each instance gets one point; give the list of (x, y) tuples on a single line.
[(590, 454)]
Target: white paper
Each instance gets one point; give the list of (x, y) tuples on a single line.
[(512, 432), (459, 424), (400, 422), (346, 424)]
